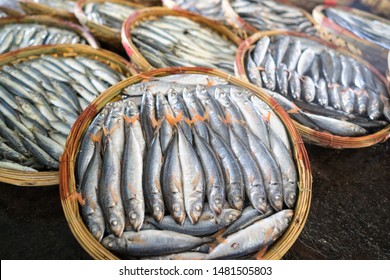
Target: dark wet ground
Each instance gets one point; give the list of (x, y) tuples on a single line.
[(349, 215)]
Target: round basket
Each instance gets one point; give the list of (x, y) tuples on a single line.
[(330, 31), (36, 8), (113, 60), (309, 135), (54, 22), (145, 14), (68, 164), (239, 23), (102, 32)]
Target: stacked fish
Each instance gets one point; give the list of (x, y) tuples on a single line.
[(372, 30), (110, 14), (40, 99), (337, 93), (183, 166), (58, 4), (178, 41), (210, 9), (22, 35), (272, 15)]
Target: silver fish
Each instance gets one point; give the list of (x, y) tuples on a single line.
[(152, 243), (253, 238)]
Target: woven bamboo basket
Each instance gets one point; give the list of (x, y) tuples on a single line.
[(54, 22), (148, 13), (309, 135), (148, 3), (113, 60), (36, 8), (68, 163), (102, 32), (238, 22), (11, 12), (330, 31)]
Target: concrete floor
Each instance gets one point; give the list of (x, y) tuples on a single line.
[(349, 215)]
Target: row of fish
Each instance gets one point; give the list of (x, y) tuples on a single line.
[(247, 237), (372, 30), (320, 81), (22, 35), (272, 15), (110, 14), (210, 9), (40, 99), (178, 41), (196, 154)]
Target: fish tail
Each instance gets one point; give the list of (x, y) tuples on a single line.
[(172, 120)]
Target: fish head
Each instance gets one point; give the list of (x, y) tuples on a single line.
[(113, 243), (195, 211), (258, 198), (131, 109), (290, 196), (172, 96), (97, 230), (236, 196), (188, 95), (158, 211), (216, 200), (136, 215), (228, 216), (358, 130), (277, 200), (116, 223)]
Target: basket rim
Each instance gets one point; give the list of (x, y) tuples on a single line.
[(47, 178), (142, 14), (323, 21), (309, 135), (68, 161), (52, 21)]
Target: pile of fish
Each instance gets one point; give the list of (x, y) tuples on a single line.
[(163, 170), (58, 4), (110, 14), (336, 93), (210, 9), (21, 35), (177, 41), (40, 99), (372, 30), (272, 15)]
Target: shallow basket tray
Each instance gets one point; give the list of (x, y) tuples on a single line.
[(309, 135), (102, 32), (155, 12), (54, 22), (331, 32), (34, 8), (238, 22), (68, 163), (116, 62), (11, 12)]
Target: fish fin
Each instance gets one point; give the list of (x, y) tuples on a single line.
[(158, 125), (157, 183), (114, 195), (171, 120), (179, 117), (229, 118), (95, 138), (212, 180), (196, 181), (261, 253), (260, 68), (198, 118), (187, 121), (154, 122), (79, 197), (289, 75), (132, 189), (105, 131), (292, 111), (177, 183), (209, 82), (91, 202), (268, 117), (218, 237)]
